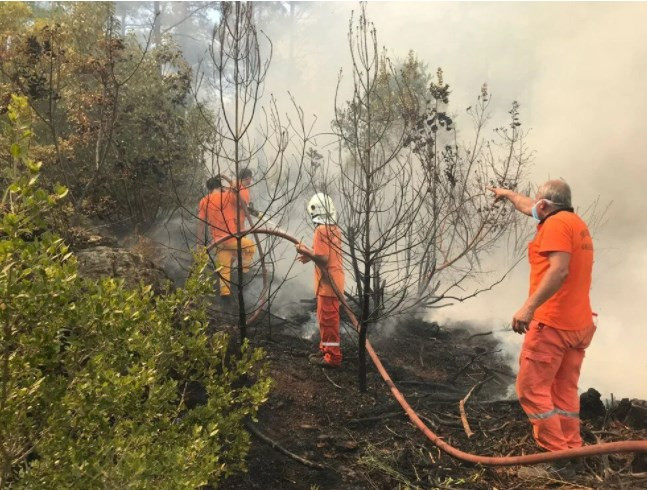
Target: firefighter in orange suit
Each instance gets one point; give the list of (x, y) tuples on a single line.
[(242, 190), (326, 249), (556, 317), (217, 214)]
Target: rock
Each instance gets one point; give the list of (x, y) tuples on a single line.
[(591, 406), (632, 413), (97, 262), (81, 238)]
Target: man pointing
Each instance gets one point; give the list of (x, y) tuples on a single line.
[(556, 317)]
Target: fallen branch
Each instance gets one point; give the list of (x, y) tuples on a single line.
[(461, 407), (437, 420), (495, 371), (466, 425), (333, 383), (479, 335), (375, 418), (252, 428), (475, 358), (505, 424)]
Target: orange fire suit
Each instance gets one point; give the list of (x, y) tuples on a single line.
[(327, 243), (561, 330), (218, 209), (247, 244)]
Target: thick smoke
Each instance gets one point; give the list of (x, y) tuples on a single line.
[(578, 71)]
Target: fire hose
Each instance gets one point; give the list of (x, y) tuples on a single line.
[(528, 459)]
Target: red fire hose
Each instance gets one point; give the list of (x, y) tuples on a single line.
[(593, 450)]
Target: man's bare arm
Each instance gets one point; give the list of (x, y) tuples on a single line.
[(551, 282), (553, 279), (522, 203), (321, 260)]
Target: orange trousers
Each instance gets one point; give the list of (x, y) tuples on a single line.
[(328, 319), (549, 369)]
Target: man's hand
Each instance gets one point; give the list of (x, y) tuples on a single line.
[(522, 203), (302, 250), (499, 193), (521, 319)]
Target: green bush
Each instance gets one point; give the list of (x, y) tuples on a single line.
[(102, 386)]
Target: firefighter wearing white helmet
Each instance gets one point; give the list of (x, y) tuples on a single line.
[(322, 209), (326, 250)]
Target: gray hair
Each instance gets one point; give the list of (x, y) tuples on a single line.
[(556, 191)]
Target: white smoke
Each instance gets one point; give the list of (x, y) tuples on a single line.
[(578, 71)]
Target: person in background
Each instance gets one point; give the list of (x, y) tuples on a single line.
[(326, 249), (216, 215), (240, 204), (244, 206), (556, 319)]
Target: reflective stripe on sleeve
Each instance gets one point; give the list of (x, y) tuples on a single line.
[(330, 344)]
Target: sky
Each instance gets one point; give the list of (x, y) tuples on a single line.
[(578, 71)]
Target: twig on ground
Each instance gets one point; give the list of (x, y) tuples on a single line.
[(328, 377), (495, 371), (605, 460), (252, 428), (375, 418), (461, 406), (499, 427), (461, 409), (438, 421), (394, 433), (475, 358), (479, 335)]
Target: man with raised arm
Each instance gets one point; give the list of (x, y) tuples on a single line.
[(556, 317)]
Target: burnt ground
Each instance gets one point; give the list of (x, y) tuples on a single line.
[(364, 440)]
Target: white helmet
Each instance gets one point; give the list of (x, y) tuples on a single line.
[(322, 209)]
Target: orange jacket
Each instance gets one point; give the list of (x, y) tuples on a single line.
[(217, 210), (243, 195), (327, 242), (569, 308)]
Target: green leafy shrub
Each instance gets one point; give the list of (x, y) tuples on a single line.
[(102, 386)]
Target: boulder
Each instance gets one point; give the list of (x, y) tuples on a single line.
[(591, 406), (97, 262), (633, 413)]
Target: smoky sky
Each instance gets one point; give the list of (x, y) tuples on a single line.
[(578, 71)]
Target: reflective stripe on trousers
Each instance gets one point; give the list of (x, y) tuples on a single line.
[(549, 369), (328, 319), (555, 411)]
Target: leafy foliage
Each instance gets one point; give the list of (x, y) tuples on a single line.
[(102, 386), (114, 117)]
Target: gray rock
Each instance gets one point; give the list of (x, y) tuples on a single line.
[(97, 262)]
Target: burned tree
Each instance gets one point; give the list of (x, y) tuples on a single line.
[(380, 193), (459, 222), (414, 212), (247, 136)]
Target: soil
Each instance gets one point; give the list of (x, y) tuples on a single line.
[(364, 440)]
